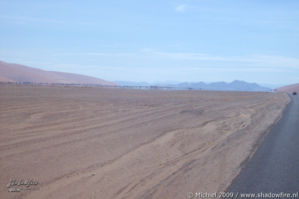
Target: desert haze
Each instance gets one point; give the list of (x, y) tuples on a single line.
[(118, 143)]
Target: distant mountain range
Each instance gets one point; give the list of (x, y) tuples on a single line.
[(23, 74), (219, 86)]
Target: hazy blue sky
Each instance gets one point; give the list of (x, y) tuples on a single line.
[(156, 40)]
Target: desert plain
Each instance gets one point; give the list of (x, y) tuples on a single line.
[(112, 143)]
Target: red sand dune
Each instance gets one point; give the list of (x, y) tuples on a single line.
[(289, 88), (20, 73)]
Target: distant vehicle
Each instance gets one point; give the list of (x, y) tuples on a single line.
[(294, 93)]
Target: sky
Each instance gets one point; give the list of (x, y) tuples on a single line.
[(154, 40)]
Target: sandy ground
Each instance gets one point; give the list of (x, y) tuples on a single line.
[(117, 143)]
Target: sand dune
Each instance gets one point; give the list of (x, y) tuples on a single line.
[(19, 73), (118, 143), (289, 89)]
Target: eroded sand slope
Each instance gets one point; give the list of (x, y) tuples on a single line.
[(118, 143)]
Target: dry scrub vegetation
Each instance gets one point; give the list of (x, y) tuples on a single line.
[(120, 143)]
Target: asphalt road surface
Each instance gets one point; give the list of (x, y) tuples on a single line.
[(274, 168)]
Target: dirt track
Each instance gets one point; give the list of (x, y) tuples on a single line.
[(118, 143)]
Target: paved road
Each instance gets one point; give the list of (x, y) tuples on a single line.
[(275, 165)]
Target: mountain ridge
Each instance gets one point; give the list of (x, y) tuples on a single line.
[(235, 85)]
